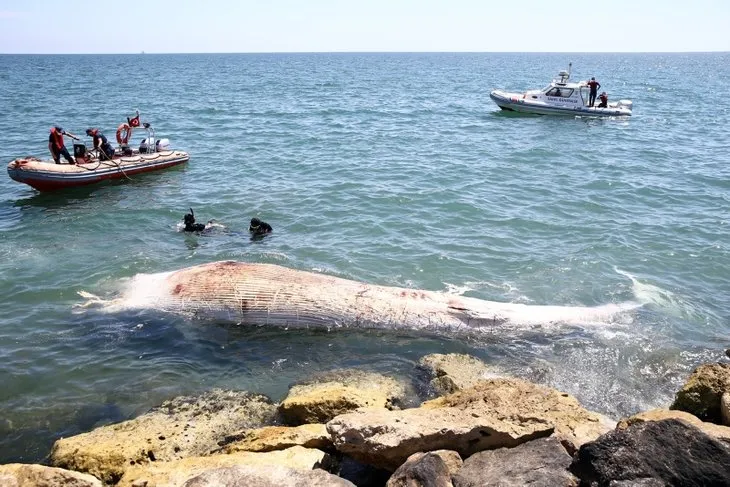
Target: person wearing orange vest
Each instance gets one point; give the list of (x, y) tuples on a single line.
[(56, 145), (106, 151)]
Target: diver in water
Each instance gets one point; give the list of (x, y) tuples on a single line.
[(190, 225), (259, 228)]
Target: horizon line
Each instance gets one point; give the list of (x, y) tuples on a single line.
[(349, 52)]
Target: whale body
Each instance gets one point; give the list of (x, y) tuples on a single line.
[(267, 294)]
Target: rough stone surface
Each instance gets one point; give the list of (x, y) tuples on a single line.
[(180, 471), (725, 408), (670, 451), (702, 392), (495, 413), (272, 438), (722, 433), (422, 470), (453, 372), (539, 463), (339, 392), (525, 401), (277, 476), (182, 427), (26, 475)]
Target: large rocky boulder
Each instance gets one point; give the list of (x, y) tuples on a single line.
[(542, 462), (24, 475), (670, 451), (722, 433), (178, 472), (182, 427), (270, 438), (422, 470), (453, 372), (725, 408), (246, 475), (338, 392), (702, 393), (495, 413)]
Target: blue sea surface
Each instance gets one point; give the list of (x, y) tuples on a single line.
[(391, 169)]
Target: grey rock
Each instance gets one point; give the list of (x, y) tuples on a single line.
[(258, 476), (669, 451), (538, 463), (422, 470)]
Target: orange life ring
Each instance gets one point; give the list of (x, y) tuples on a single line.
[(124, 132)]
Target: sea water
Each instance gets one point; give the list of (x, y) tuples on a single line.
[(393, 169)]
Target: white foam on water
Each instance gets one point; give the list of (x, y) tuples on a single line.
[(669, 302), (140, 292)]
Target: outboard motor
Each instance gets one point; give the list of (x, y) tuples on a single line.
[(79, 151)]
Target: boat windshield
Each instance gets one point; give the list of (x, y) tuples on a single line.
[(560, 92)]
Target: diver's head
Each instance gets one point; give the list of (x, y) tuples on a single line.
[(255, 224), (189, 218)]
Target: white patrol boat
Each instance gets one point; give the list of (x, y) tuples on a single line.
[(560, 97)]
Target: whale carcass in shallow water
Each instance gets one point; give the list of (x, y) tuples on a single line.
[(267, 294)]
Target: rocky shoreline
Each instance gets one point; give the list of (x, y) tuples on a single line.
[(350, 427)]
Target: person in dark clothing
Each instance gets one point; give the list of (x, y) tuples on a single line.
[(593, 85), (604, 100), (56, 145), (259, 228), (190, 225), (100, 143)]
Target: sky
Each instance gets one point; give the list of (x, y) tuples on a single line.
[(167, 26)]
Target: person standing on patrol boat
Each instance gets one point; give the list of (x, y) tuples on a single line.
[(56, 145), (593, 85), (106, 151)]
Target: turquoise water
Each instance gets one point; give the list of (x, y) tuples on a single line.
[(393, 169)]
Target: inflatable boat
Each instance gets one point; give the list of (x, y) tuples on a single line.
[(560, 97), (45, 175)]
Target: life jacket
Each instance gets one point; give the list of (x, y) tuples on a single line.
[(57, 138)]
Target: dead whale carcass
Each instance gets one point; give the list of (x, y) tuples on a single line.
[(267, 294)]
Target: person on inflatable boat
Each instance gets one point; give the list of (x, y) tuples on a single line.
[(100, 143), (56, 145)]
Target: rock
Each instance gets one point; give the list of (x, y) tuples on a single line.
[(270, 438), (495, 413), (542, 462), (26, 475), (182, 427), (725, 408), (339, 392), (574, 425), (422, 470), (722, 433), (727, 352), (451, 459), (178, 472), (670, 451), (452, 372), (276, 476), (702, 392)]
